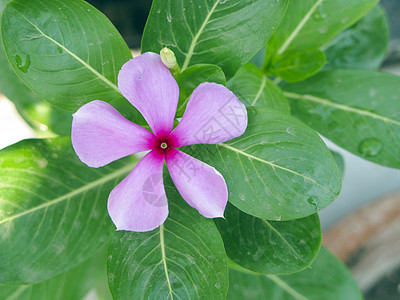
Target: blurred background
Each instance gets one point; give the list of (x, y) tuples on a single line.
[(362, 227)]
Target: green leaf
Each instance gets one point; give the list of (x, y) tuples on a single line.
[(279, 169), (254, 88), (269, 247), (358, 110), (182, 259), (298, 65), (34, 110), (71, 285), (362, 46), (53, 210), (68, 54), (220, 32), (327, 279), (189, 79), (313, 23)]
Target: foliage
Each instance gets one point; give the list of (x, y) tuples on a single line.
[(59, 55)]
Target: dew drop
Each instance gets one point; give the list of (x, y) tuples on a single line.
[(42, 163), (312, 202), (319, 14), (322, 30), (372, 92), (60, 50), (370, 147), (242, 196), (23, 66), (169, 17)]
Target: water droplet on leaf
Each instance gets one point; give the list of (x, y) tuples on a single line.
[(319, 14), (23, 66), (312, 202), (370, 147), (60, 50)]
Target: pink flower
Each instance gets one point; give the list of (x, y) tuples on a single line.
[(100, 135)]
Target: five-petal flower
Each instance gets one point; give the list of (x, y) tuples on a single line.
[(100, 135)]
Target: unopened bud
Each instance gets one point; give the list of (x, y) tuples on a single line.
[(168, 58)]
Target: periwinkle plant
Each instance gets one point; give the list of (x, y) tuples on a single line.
[(247, 132)]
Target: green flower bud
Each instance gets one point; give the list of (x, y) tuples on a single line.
[(168, 58)]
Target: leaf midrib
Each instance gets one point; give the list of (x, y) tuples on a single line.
[(273, 165), (17, 292), (196, 37), (296, 31), (327, 102), (164, 260), (83, 189), (80, 60), (260, 90), (283, 285), (283, 239)]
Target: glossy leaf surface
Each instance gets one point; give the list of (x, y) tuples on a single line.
[(182, 259), (270, 247), (358, 110), (53, 210), (297, 66), (254, 88), (71, 285), (33, 109), (327, 279), (279, 169), (224, 33), (313, 23), (362, 46), (68, 54)]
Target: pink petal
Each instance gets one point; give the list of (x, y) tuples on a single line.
[(213, 115), (100, 135), (139, 202), (202, 186), (151, 88)]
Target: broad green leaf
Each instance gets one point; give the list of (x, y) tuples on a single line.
[(71, 285), (362, 46), (279, 169), (182, 259), (358, 110), (189, 79), (313, 23), (220, 32), (327, 279), (34, 110), (255, 89), (297, 66), (269, 247), (67, 53), (53, 210)]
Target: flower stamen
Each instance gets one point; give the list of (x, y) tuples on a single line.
[(163, 145)]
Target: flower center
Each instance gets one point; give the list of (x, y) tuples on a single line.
[(163, 145)]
